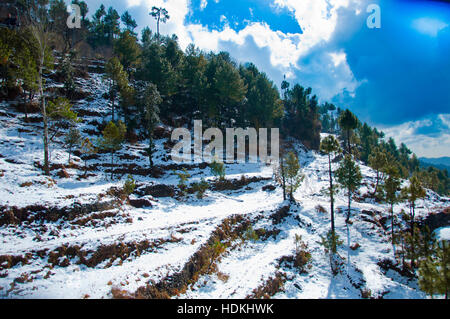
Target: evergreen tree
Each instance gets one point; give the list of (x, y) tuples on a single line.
[(330, 146), (349, 176), (146, 36), (294, 177), (129, 22), (72, 139), (225, 91), (112, 140), (117, 79), (412, 193), (391, 187), (434, 271), (127, 50), (87, 149), (302, 117), (348, 122), (262, 106), (111, 25), (378, 161), (217, 169), (60, 114), (161, 15), (151, 101)]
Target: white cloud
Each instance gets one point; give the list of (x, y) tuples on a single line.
[(338, 58), (317, 18), (203, 4), (421, 144), (429, 26)]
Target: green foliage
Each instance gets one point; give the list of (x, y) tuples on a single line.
[(217, 248), (67, 72), (349, 177), (160, 15), (129, 186), (391, 185), (113, 137), (302, 117), (150, 101), (378, 161), (127, 50), (200, 188), (118, 81), (72, 139), (217, 169), (348, 122), (262, 106), (129, 22), (434, 271), (183, 177), (330, 145), (412, 193), (87, 149), (294, 177), (331, 242), (250, 235), (59, 113)]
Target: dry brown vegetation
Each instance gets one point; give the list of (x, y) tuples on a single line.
[(269, 288), (202, 262)]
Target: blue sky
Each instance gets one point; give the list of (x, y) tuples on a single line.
[(396, 78)]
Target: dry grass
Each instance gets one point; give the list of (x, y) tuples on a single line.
[(269, 288), (202, 262)]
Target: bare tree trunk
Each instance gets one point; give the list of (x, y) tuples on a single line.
[(45, 119), (331, 199)]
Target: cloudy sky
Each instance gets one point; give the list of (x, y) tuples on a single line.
[(396, 78)]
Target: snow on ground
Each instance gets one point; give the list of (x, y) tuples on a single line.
[(180, 227)]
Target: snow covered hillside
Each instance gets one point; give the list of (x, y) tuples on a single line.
[(68, 236)]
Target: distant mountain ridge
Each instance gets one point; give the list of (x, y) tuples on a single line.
[(440, 162)]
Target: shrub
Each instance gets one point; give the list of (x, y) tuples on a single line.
[(330, 241), (183, 177), (320, 209), (200, 188), (129, 186), (218, 169), (251, 235)]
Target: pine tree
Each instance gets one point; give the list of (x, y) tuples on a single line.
[(391, 187), (129, 22), (412, 193), (60, 113), (112, 140), (349, 176), (72, 139), (348, 122), (280, 170), (151, 101), (117, 79), (434, 271), (330, 146), (127, 50), (378, 161), (87, 149), (160, 15), (217, 169), (294, 177)]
